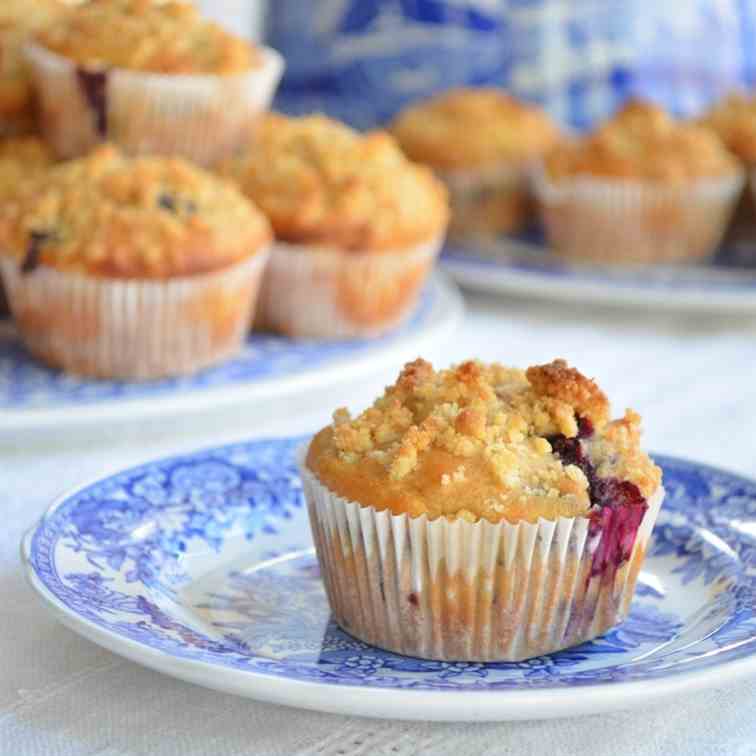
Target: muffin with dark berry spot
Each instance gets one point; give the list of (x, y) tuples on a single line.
[(153, 78), (131, 268), (481, 512)]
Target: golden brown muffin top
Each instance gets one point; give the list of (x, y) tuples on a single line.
[(20, 159), (321, 182), (112, 216), (18, 20), (483, 441), (473, 128), (734, 120), (144, 35), (642, 141)]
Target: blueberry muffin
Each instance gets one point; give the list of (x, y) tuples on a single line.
[(481, 512), (19, 20), (131, 268), (357, 226), (642, 188), (154, 78), (482, 143)]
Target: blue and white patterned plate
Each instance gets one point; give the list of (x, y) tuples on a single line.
[(269, 367), (201, 566), (523, 265)]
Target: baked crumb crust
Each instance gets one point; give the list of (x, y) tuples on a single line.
[(144, 35), (20, 159), (471, 128), (734, 120), (473, 442), (320, 182), (112, 216), (19, 19), (642, 141)]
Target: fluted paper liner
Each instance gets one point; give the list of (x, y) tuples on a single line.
[(198, 116), (320, 293), (461, 591), (630, 221), (489, 201), (133, 329)]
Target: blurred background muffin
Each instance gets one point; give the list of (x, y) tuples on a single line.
[(482, 144), (151, 77), (641, 188), (131, 268), (19, 20), (357, 226)]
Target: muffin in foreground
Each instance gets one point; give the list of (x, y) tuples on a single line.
[(131, 268), (358, 227), (643, 188), (153, 78), (481, 512), (482, 143), (19, 20)]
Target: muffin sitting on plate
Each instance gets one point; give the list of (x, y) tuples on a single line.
[(151, 77), (131, 268), (358, 226), (642, 188), (481, 512), (19, 19), (482, 143)]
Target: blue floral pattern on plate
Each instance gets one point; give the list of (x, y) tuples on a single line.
[(207, 557)]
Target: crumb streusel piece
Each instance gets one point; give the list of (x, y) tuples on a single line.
[(643, 142), (473, 128), (112, 216), (143, 35), (321, 182), (21, 158), (734, 120), (486, 441)]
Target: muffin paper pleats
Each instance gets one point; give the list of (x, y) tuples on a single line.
[(462, 591), (200, 117), (133, 329), (316, 292)]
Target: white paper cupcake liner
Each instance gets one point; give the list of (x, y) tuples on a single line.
[(489, 201), (320, 293), (200, 117), (133, 329), (615, 221), (461, 591)]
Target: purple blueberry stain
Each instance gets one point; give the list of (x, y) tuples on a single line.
[(37, 240), (94, 86)]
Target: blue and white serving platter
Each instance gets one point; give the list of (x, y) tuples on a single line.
[(269, 368), (201, 566), (523, 265)]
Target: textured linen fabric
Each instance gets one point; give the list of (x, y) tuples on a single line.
[(690, 376)]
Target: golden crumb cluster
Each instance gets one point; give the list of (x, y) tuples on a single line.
[(113, 216), (18, 20), (321, 182), (20, 159), (734, 120), (144, 35), (643, 142), (474, 442), (474, 128)]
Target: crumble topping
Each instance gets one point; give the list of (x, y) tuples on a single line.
[(145, 35), (321, 182), (473, 128), (149, 217), (734, 120), (478, 439), (642, 141)]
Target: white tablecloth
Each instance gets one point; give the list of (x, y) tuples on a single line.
[(692, 378)]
